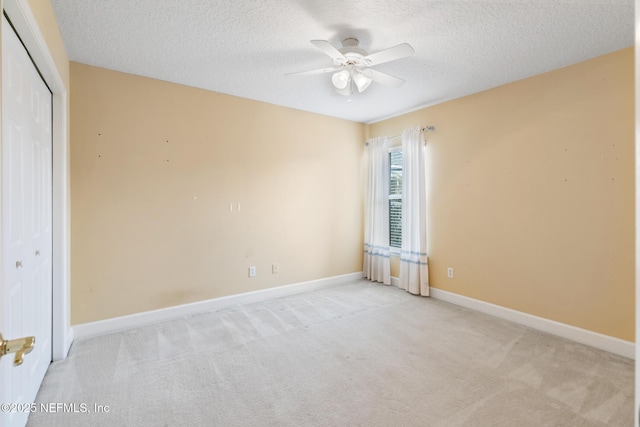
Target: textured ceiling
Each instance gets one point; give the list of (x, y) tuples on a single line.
[(244, 47)]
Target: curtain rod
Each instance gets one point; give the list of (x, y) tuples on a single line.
[(429, 128)]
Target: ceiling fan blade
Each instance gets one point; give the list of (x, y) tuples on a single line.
[(312, 72), (396, 52), (383, 78), (330, 50)]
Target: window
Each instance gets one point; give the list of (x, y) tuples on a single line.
[(395, 198)]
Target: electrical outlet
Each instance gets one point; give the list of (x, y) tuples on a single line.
[(252, 271), (275, 269), (450, 272)]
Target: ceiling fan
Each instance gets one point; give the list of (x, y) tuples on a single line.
[(351, 64)]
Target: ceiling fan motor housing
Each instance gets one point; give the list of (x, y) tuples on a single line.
[(353, 52)]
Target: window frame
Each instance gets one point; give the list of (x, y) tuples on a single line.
[(393, 249)]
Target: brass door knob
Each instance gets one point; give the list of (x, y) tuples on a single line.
[(20, 347)]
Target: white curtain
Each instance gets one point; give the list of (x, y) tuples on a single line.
[(376, 264), (414, 270)]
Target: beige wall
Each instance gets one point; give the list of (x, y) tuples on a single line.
[(532, 194), (154, 167)]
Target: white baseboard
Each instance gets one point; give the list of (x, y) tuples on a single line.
[(68, 340), (583, 336), (106, 326)]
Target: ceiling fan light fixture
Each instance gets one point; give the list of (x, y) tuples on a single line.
[(346, 91), (340, 79), (362, 82)]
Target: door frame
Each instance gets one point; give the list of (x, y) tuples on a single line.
[(26, 25)]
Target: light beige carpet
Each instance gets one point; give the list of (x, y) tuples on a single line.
[(359, 354)]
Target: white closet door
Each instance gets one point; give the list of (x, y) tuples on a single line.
[(25, 290)]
